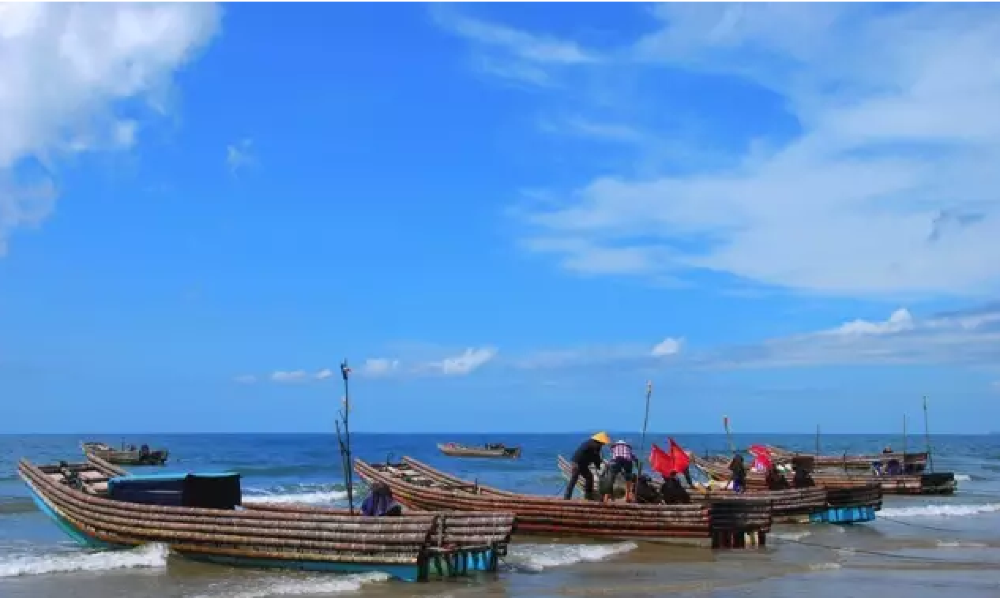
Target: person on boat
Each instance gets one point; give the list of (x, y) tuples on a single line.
[(738, 478), (673, 492), (587, 454), (622, 460), (380, 503), (774, 479), (802, 478), (645, 492)]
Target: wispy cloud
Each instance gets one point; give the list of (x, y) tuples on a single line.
[(886, 188), (245, 379), (67, 69), (467, 362), (240, 155), (511, 53), (379, 366)]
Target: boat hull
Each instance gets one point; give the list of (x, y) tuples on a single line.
[(409, 548), (479, 453), (714, 523)]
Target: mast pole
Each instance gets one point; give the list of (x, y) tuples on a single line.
[(345, 438), (927, 437), (645, 423)]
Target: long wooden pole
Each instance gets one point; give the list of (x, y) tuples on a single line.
[(645, 423), (729, 437), (817, 441), (927, 437), (904, 439), (345, 439)]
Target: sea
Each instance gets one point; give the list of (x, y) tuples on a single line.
[(919, 546)]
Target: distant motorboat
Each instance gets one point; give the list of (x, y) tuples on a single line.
[(487, 451), (127, 454)]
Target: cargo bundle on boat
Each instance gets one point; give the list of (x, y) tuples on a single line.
[(926, 483), (127, 454), (488, 451), (715, 523), (909, 463), (792, 505), (199, 516)]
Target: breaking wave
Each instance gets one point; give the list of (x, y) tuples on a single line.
[(538, 557), (148, 556), (313, 494), (940, 510), (312, 585)]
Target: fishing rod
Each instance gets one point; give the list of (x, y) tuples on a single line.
[(645, 422), (345, 439)]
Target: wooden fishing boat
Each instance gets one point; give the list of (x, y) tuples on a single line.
[(714, 523), (489, 451), (199, 516), (927, 483), (911, 463), (856, 504), (126, 455)]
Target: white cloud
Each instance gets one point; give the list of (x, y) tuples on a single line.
[(245, 379), (65, 69), (289, 376), (512, 54), (324, 373), (889, 187), (668, 346), (379, 366), (460, 365), (970, 338), (239, 155)]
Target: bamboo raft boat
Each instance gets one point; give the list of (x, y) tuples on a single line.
[(126, 455), (925, 484), (199, 517), (856, 504), (911, 463), (712, 523), (488, 451)]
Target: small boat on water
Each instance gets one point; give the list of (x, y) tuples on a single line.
[(488, 451), (127, 454), (942, 483), (909, 463), (200, 517), (712, 523), (856, 504)]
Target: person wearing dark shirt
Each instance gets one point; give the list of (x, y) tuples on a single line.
[(645, 492), (587, 454), (802, 479), (673, 492), (775, 480), (380, 503), (739, 473)]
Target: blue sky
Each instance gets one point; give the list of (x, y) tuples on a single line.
[(507, 217)]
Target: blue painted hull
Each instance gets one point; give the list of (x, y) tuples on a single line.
[(436, 566), (844, 515)]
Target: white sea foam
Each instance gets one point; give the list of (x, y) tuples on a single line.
[(940, 510), (963, 477), (149, 556), (537, 557), (313, 498), (824, 566), (959, 544), (313, 585), (314, 494), (790, 536)]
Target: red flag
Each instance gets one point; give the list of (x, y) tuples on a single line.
[(761, 458), (680, 458), (668, 463)]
